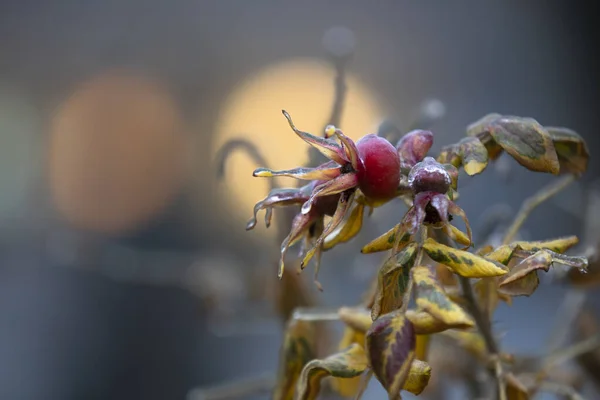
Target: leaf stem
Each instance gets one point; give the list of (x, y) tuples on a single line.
[(532, 202)]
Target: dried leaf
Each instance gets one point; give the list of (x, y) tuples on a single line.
[(386, 241), (572, 150), (540, 260), (296, 352), (392, 281), (480, 127), (391, 350), (426, 324), (348, 363), (474, 155), (461, 262), (522, 280), (350, 228), (526, 141), (515, 389), (430, 297)]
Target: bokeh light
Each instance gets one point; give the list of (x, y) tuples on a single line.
[(304, 88), (116, 152)]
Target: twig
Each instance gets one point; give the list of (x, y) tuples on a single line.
[(484, 326), (235, 390), (562, 390), (532, 202), (573, 351)]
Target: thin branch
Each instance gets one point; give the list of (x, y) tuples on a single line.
[(235, 390), (573, 351), (561, 390), (532, 202)]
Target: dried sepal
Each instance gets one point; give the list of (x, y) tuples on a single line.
[(462, 262), (426, 324), (349, 229), (431, 298), (572, 150), (387, 241), (392, 281), (348, 363), (326, 171), (526, 141), (473, 154), (391, 350), (328, 147), (297, 350)]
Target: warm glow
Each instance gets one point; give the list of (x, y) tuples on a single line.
[(116, 153), (305, 89)]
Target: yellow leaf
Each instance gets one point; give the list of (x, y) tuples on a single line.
[(348, 363), (392, 281), (461, 262), (349, 229), (430, 297), (474, 155), (391, 350), (358, 319), (296, 352), (418, 377), (357, 322), (427, 324), (386, 242), (457, 235), (559, 245)]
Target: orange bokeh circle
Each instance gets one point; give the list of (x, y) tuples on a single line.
[(116, 153)]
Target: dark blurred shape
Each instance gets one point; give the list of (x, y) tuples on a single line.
[(116, 153)]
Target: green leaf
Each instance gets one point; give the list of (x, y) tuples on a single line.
[(391, 350), (527, 142), (392, 281), (474, 155), (348, 363), (572, 150)]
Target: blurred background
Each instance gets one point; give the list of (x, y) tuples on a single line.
[(125, 269)]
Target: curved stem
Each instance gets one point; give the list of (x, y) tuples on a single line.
[(532, 202)]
